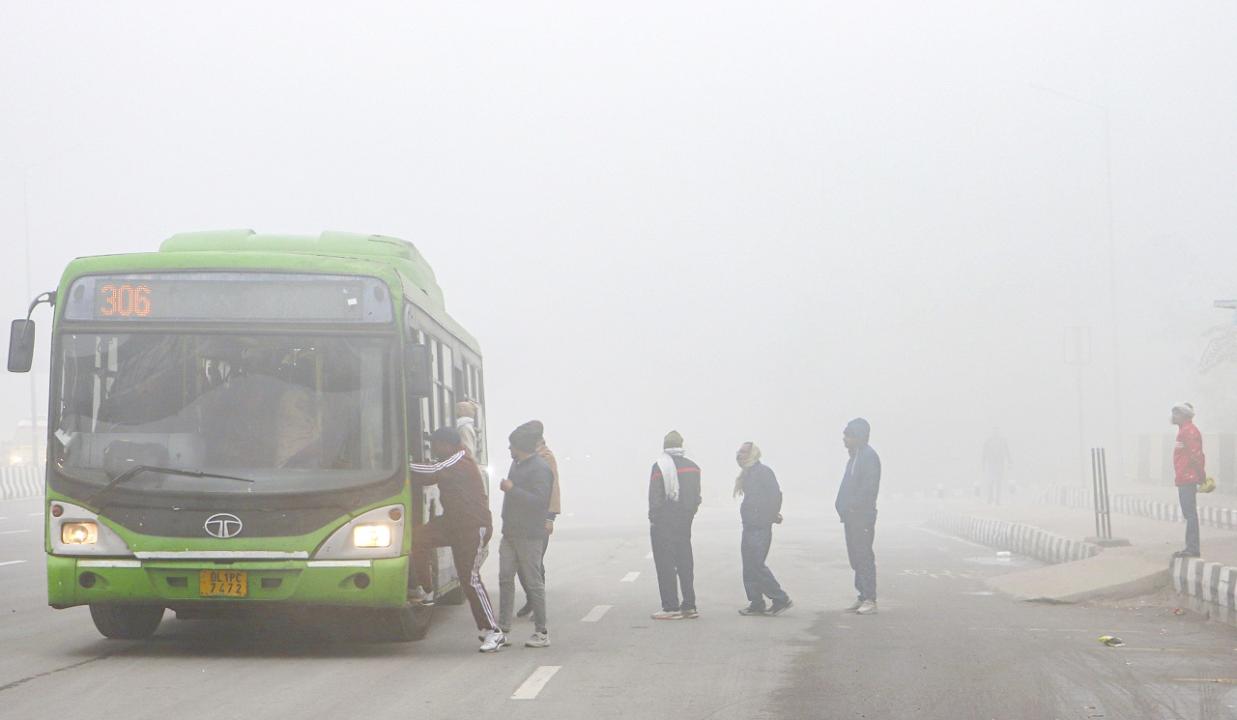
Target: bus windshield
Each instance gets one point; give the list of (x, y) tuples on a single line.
[(294, 413)]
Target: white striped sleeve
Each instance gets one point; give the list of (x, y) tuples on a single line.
[(431, 469)]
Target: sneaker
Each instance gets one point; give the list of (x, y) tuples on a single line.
[(753, 610), (506, 640), (417, 596), (667, 615), (781, 606), (854, 606), (493, 642), (524, 611), (540, 639), (867, 608), (690, 613)]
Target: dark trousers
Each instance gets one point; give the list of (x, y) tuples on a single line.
[(1188, 494), (758, 579), (859, 536), (469, 548), (994, 480), (672, 555), (545, 545)]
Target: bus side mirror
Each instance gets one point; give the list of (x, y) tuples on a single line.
[(417, 380), (21, 346)]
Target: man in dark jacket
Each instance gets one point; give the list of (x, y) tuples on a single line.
[(674, 496), (527, 500), (760, 511), (464, 526), (856, 506)]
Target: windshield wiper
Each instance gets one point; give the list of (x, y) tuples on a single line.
[(136, 470)]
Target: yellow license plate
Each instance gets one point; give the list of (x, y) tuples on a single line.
[(223, 583)]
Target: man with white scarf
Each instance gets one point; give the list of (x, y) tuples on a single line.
[(674, 496)]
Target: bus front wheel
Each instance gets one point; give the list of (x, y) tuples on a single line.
[(126, 622), (405, 624)]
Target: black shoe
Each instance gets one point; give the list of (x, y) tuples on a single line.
[(524, 611), (753, 610), (781, 606)]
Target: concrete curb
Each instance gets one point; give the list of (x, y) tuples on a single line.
[(1210, 587), (1075, 497), (21, 482), (1015, 537)]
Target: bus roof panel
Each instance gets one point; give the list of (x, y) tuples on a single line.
[(396, 261)]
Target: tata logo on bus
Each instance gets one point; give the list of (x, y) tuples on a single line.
[(223, 526)]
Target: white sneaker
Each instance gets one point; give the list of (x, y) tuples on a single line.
[(538, 640), (667, 615), (867, 607), (854, 606), (418, 596), (494, 641)]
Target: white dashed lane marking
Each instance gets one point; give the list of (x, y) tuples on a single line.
[(12, 532), (38, 514), (11, 562), (630, 577), (596, 613), (535, 682)]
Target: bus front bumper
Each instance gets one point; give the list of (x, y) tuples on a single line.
[(349, 583)]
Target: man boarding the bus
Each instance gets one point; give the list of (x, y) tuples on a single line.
[(465, 526)]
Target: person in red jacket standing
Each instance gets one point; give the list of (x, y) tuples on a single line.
[(1189, 468)]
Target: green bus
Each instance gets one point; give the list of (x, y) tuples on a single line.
[(230, 424)]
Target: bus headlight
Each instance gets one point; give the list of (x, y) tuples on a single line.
[(374, 534), (79, 533), (371, 536)]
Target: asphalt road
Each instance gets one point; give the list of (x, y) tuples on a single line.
[(941, 647)]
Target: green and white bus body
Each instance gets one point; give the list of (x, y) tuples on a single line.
[(230, 424)]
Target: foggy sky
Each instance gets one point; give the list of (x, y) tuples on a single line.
[(741, 221)]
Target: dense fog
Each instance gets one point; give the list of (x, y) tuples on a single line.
[(740, 221)]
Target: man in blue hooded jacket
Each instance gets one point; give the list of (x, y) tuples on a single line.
[(856, 506)]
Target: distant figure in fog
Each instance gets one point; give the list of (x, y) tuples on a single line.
[(527, 500), (466, 425), (996, 460), (674, 497), (464, 526), (1189, 469), (760, 511), (535, 427), (856, 506)]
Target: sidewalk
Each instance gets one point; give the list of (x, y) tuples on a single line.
[(1112, 572), (1214, 510)]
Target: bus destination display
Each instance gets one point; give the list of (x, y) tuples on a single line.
[(229, 297)]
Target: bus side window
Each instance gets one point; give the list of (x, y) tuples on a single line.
[(436, 416), (446, 378)]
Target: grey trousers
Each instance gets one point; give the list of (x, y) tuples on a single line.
[(521, 556)]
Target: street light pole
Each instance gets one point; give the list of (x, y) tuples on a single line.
[(1119, 455)]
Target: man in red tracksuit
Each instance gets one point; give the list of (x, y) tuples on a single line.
[(465, 526), (1189, 468)]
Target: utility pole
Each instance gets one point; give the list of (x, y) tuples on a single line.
[(1118, 444)]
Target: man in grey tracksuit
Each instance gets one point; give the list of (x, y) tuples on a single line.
[(856, 506), (525, 504)]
